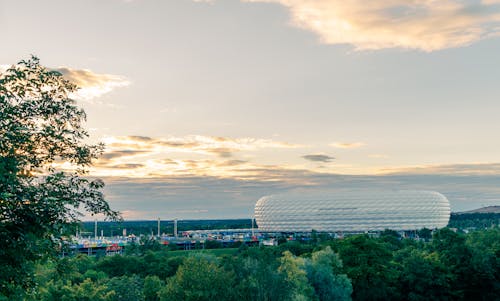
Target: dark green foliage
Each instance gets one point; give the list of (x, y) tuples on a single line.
[(295, 247), (95, 276), (39, 126), (258, 279), (84, 263), (199, 278), (173, 264), (85, 291), (485, 263), (472, 262), (125, 288), (160, 264), (66, 269), (451, 266), (425, 234), (456, 256), (120, 265), (392, 238), (324, 273), (152, 287), (474, 220), (368, 263), (423, 276)]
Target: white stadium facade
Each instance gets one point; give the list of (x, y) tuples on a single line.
[(353, 211)]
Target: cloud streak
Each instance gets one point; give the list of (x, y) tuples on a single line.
[(193, 155), (319, 158), (419, 24), (447, 169), (347, 144), (92, 85), (220, 146)]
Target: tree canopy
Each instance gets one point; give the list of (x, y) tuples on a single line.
[(40, 128)]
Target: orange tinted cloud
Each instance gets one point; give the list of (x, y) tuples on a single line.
[(193, 155), (450, 169), (221, 146), (419, 24), (92, 85)]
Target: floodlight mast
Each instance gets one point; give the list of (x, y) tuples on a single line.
[(175, 227), (253, 219), (158, 227)]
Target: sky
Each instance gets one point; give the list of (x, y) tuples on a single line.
[(205, 106)]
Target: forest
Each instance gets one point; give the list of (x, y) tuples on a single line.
[(448, 266)]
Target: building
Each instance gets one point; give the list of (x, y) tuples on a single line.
[(353, 211)]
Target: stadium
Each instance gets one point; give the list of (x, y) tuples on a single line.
[(353, 211)]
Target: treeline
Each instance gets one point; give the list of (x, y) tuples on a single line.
[(474, 220), (150, 226), (450, 266)]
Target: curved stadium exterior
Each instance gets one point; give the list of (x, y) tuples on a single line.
[(353, 211)]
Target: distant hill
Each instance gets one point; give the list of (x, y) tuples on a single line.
[(481, 218), (489, 209)]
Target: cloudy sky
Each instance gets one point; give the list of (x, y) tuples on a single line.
[(207, 105)]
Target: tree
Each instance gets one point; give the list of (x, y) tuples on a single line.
[(485, 247), (425, 234), (473, 263), (120, 265), (40, 127), (392, 238), (85, 291), (126, 288), (258, 279), (256, 274), (323, 272), (457, 257), (296, 282), (367, 262), (423, 276), (199, 278), (152, 287)]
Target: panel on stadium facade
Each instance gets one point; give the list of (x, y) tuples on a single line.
[(353, 211)]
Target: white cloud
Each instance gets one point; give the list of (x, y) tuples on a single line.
[(92, 85), (427, 25)]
